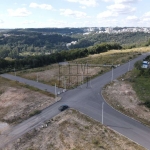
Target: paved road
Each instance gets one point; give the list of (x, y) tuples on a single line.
[(38, 85), (88, 100)]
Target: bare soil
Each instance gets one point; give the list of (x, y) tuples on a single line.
[(18, 103), (69, 75), (122, 97), (72, 130)]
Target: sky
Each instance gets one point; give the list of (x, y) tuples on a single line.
[(74, 13)]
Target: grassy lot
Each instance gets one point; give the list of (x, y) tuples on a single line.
[(141, 85), (73, 75), (130, 95)]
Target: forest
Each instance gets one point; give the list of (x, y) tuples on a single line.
[(42, 60), (19, 43)]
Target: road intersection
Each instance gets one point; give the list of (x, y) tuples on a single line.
[(87, 100)]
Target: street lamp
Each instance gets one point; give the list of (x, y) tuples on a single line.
[(15, 71), (129, 65), (112, 74), (37, 77), (102, 112), (55, 91)]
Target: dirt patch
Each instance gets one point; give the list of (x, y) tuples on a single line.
[(121, 96), (72, 130), (66, 76), (16, 104), (3, 127)]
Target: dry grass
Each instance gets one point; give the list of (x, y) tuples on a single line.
[(72, 130), (73, 75), (121, 95), (17, 102)]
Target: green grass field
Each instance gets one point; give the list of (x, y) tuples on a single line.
[(141, 85)]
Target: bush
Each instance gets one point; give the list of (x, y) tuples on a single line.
[(138, 65), (35, 112)]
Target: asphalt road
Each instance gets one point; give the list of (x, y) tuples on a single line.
[(36, 84), (87, 100)]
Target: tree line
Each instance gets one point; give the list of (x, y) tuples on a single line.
[(126, 40), (11, 45), (42, 60)]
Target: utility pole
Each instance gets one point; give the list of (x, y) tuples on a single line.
[(81, 79), (90, 82), (62, 76), (87, 82), (15, 71), (59, 74), (65, 83), (112, 76), (87, 67), (129, 66), (55, 91), (77, 73), (102, 113), (69, 74), (37, 77)]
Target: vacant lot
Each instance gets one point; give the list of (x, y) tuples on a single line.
[(17, 102), (122, 96), (80, 70), (72, 130)]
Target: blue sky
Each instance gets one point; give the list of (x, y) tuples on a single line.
[(74, 13)]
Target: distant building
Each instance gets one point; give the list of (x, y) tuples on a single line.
[(72, 43), (109, 30), (87, 33)]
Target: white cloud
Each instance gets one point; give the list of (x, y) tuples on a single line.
[(83, 7), (108, 22), (146, 18), (107, 14), (28, 22), (69, 12), (121, 8), (1, 21), (126, 1), (108, 0), (20, 12), (147, 14), (24, 4), (41, 6), (87, 3), (57, 23), (122, 1), (132, 18)]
